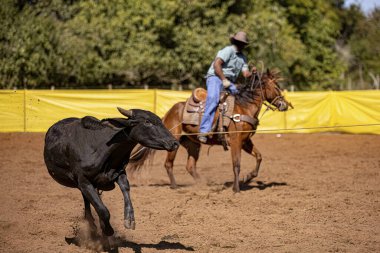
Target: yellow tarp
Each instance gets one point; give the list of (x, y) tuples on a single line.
[(37, 110), (12, 111), (316, 110), (44, 108), (165, 99)]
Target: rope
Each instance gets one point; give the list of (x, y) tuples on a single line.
[(175, 126), (282, 129)]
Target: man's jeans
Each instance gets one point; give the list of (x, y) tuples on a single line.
[(214, 87)]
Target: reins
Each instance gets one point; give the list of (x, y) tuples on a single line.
[(270, 106), (259, 84)]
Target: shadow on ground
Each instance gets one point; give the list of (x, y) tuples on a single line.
[(117, 242), (163, 185), (259, 185)]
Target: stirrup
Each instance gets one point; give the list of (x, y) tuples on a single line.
[(202, 138)]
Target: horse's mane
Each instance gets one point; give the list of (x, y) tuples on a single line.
[(245, 95), (251, 89)]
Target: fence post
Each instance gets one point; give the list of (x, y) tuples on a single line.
[(285, 115), (24, 109)]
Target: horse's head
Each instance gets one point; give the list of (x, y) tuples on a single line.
[(271, 91)]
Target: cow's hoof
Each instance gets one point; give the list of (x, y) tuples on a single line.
[(107, 244), (108, 231), (130, 224)]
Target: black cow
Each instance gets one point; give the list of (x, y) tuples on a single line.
[(91, 155)]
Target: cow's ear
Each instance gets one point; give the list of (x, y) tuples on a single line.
[(118, 122), (127, 113)]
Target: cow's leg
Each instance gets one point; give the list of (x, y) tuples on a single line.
[(88, 215), (91, 194), (236, 158), (193, 149), (252, 150), (129, 217), (169, 167)]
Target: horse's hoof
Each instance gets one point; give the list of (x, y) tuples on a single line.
[(130, 224), (174, 187)]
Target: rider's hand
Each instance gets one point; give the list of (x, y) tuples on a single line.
[(226, 83), (233, 89), (254, 70)]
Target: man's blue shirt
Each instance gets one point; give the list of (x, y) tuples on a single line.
[(234, 63)]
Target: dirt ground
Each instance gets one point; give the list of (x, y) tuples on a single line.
[(314, 193)]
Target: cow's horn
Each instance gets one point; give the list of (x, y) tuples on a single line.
[(127, 113)]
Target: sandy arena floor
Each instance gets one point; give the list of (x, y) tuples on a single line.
[(314, 193)]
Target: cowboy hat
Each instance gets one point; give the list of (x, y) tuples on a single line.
[(239, 36)]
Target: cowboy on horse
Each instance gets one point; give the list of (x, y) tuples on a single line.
[(238, 114), (223, 72)]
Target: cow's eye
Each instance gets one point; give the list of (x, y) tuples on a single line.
[(148, 123)]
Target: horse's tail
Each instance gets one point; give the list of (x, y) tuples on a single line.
[(139, 157)]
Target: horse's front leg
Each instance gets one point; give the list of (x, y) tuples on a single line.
[(169, 162), (236, 159), (129, 217), (252, 150), (193, 149)]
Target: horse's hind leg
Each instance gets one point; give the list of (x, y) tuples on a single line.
[(193, 149), (169, 167), (252, 150), (172, 121)]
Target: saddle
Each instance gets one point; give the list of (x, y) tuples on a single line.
[(195, 107)]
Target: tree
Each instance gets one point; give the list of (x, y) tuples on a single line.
[(365, 48), (317, 24), (74, 43)]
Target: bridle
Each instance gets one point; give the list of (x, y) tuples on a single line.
[(270, 105)]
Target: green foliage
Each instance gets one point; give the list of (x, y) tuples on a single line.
[(74, 43), (318, 26), (364, 44)]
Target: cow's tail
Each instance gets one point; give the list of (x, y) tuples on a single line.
[(139, 157)]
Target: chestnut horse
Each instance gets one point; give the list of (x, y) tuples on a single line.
[(248, 102)]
